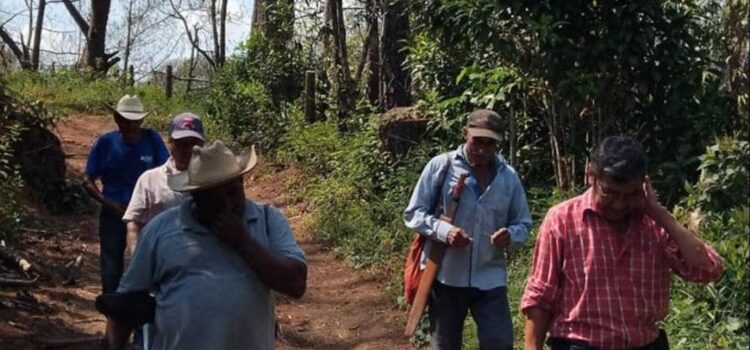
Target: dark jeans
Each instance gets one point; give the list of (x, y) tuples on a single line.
[(112, 231), (661, 343), (489, 309)]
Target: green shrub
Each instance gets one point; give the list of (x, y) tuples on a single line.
[(715, 316), (243, 110), (11, 212), (312, 146)]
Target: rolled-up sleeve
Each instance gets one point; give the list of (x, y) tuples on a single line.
[(281, 238), (689, 272), (519, 216), (417, 215), (543, 286), (138, 204)]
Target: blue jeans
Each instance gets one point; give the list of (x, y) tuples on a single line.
[(489, 309), (112, 231)]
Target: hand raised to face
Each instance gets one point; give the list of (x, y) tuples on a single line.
[(229, 227)]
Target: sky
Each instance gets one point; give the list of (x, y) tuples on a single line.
[(62, 40)]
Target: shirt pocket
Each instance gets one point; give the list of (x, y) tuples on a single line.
[(497, 205)]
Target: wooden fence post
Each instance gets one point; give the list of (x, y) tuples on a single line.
[(310, 96), (168, 90)]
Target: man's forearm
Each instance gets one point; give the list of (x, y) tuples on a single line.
[(282, 274), (133, 232), (537, 323), (93, 190), (691, 247)]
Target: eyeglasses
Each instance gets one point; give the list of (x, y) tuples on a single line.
[(610, 195)]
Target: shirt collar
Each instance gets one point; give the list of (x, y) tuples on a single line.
[(587, 201), (169, 167)]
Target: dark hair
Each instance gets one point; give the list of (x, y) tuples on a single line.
[(620, 158)]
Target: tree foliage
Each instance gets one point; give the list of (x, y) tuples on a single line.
[(581, 70)]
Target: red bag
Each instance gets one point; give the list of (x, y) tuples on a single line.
[(412, 272)]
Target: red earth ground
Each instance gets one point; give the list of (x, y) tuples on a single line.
[(342, 309)]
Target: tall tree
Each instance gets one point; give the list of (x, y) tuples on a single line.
[(373, 53), (223, 31), (396, 80), (96, 56), (336, 42), (37, 34), (96, 38)]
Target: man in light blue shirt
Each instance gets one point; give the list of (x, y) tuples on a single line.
[(492, 217), (213, 261)]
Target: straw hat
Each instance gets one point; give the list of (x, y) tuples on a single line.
[(130, 107), (211, 166)]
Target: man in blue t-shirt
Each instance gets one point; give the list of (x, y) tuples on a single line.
[(117, 159)]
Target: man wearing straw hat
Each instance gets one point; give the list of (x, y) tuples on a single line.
[(214, 260), (117, 159)]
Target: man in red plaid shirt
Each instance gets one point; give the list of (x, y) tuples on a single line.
[(603, 260)]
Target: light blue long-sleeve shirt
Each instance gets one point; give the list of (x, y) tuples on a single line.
[(503, 204)]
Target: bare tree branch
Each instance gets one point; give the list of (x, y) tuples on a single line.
[(82, 24), (14, 48), (193, 41)]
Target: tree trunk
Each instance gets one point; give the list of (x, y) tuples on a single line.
[(191, 68), (223, 39), (127, 36), (259, 15), (396, 89), (30, 31), (373, 55), (96, 57), (344, 88), (37, 35), (215, 32)]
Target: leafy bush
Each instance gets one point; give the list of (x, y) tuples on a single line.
[(723, 182), (312, 146), (11, 212), (717, 206), (242, 109)]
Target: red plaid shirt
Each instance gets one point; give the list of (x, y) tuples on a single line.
[(601, 287)]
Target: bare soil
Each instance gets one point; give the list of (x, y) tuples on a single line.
[(342, 309)]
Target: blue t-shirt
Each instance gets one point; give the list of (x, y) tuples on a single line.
[(119, 164)]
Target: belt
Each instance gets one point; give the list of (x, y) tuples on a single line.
[(661, 343)]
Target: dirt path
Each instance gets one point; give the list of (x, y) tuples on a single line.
[(342, 309)]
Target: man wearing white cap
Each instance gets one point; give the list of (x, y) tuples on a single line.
[(213, 261), (493, 216), (117, 159)]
